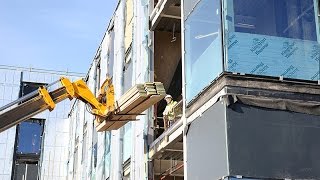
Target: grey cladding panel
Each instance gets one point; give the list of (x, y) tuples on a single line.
[(273, 144), (206, 143)]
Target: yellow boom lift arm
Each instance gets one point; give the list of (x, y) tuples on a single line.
[(102, 106), (41, 100), (109, 114)]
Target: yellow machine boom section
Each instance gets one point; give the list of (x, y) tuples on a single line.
[(83, 93), (26, 107), (109, 114)]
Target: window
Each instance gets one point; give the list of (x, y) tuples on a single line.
[(128, 70), (107, 154), (28, 141), (318, 7), (24, 170), (111, 53), (128, 25), (203, 46), (30, 137), (127, 142), (273, 38), (29, 87), (283, 18), (95, 154)]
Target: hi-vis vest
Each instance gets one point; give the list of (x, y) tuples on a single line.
[(168, 111)]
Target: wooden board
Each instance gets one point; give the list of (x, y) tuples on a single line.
[(132, 91), (134, 102)]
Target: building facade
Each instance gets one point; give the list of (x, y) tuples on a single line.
[(38, 147), (245, 74), (223, 61)]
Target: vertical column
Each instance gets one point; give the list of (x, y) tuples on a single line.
[(116, 136), (141, 71), (184, 119)]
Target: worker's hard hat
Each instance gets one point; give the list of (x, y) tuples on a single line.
[(168, 96)]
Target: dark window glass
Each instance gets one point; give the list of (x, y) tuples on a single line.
[(28, 87), (95, 154), (272, 38), (29, 137), (283, 18)]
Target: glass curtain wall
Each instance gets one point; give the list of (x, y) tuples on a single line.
[(272, 38), (203, 44), (278, 38)]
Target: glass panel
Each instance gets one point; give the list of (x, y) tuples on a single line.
[(188, 6), (203, 49), (28, 87), (273, 38), (107, 165), (95, 154), (127, 84), (107, 162), (29, 138), (127, 142), (111, 54)]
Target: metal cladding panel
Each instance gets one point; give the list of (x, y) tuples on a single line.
[(269, 143), (206, 145)]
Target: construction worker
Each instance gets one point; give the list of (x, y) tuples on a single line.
[(168, 113)]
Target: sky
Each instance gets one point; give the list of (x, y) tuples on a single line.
[(58, 35)]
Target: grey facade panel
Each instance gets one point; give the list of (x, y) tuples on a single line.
[(269, 143), (206, 145)]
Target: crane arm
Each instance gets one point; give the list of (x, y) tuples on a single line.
[(30, 105), (107, 116)]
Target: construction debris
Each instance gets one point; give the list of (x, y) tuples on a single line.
[(131, 104)]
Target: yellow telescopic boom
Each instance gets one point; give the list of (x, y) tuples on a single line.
[(41, 100), (109, 114)]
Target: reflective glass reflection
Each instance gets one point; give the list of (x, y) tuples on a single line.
[(273, 38), (203, 49), (29, 138)]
